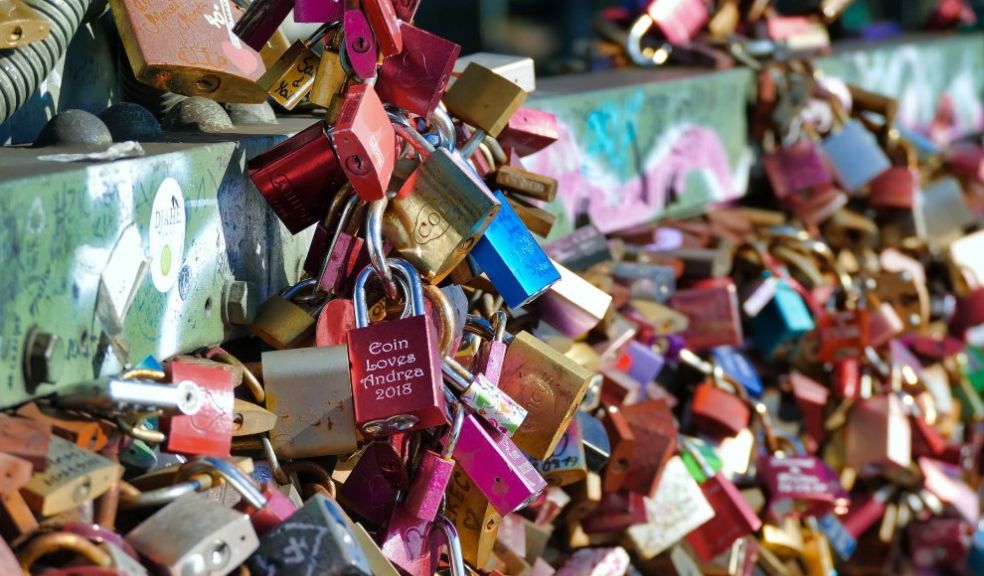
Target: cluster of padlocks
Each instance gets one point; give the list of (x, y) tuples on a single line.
[(789, 387)]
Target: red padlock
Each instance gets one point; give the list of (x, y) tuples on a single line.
[(717, 412), (208, 432), (365, 142), (382, 19), (416, 78)]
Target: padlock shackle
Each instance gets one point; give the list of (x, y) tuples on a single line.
[(228, 472), (60, 542), (481, 327), (458, 414), (645, 56), (457, 375), (453, 542), (413, 290), (292, 291), (410, 135), (374, 245), (348, 209), (441, 120), (445, 314)]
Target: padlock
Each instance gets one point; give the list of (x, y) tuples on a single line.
[(368, 492), (784, 539), (317, 539), (595, 442), (282, 323), (310, 390), (713, 314), (408, 543), (854, 153), (811, 399), (484, 398), (20, 24), (360, 42), (484, 99), (898, 186), (512, 259), (475, 519), (567, 464), (572, 305), (879, 434), (110, 396), (266, 506), (177, 52), (907, 295), (538, 220), (622, 446), (798, 485), (525, 183), (614, 513), (195, 536), (209, 430), (941, 213), (581, 249), (784, 318), (416, 78), (939, 543), (318, 11), (733, 518), (655, 434), (714, 409), (365, 142), (260, 21), (441, 211), (72, 477), (677, 508), (529, 131), (26, 437), (641, 363), (385, 25), (291, 77), (434, 473), (331, 78), (14, 473), (678, 20), (795, 168), (501, 472), (299, 177), (396, 373), (549, 385)]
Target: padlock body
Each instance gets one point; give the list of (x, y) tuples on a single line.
[(502, 473), (548, 385), (299, 177), (529, 131), (368, 492), (476, 520), (365, 142), (443, 211), (713, 315), (277, 509), (654, 430), (330, 80), (878, 434), (310, 391), (73, 477), (415, 79), (260, 21), (20, 24), (317, 539), (795, 168), (799, 485), (209, 431), (896, 187), (427, 490), (360, 43), (178, 53), (717, 412), (318, 11), (396, 373), (334, 323), (785, 318), (573, 305), (511, 258), (497, 408), (567, 464), (484, 99), (282, 323), (409, 543), (382, 19), (733, 519), (678, 20), (843, 334), (291, 77), (855, 155)]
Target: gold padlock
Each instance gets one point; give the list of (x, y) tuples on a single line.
[(74, 476), (331, 78), (189, 48), (291, 77), (484, 99), (20, 24), (549, 385), (476, 520)]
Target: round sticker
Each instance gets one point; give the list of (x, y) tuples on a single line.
[(167, 234)]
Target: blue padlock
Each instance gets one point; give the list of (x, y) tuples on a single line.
[(975, 560), (738, 367), (514, 262), (784, 318)]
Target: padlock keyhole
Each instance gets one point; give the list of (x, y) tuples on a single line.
[(15, 34), (356, 165), (218, 555), (207, 84), (361, 45)]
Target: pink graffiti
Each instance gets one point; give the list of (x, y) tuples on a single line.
[(613, 205)]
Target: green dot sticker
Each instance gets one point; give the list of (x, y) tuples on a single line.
[(167, 234)]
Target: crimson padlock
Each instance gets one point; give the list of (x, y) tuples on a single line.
[(434, 473), (416, 78), (733, 517), (484, 398), (796, 168), (898, 186), (799, 485), (396, 365), (318, 11), (842, 334), (529, 131), (368, 492), (500, 471), (718, 412), (655, 433), (712, 309), (365, 142), (299, 177), (336, 319), (360, 42)]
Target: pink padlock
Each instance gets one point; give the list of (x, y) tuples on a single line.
[(493, 351), (408, 543), (360, 42), (334, 322), (434, 473), (318, 11), (500, 470)]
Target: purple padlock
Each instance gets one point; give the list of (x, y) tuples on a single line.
[(367, 492), (799, 485), (434, 473), (500, 470), (360, 43), (318, 11), (640, 362), (408, 543)]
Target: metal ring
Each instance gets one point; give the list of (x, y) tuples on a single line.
[(232, 475), (250, 379), (374, 241), (445, 314), (278, 472), (62, 541)]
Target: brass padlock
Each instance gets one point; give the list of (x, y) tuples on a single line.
[(476, 520), (331, 77), (20, 24), (74, 476), (484, 99), (283, 324), (291, 77), (189, 48)]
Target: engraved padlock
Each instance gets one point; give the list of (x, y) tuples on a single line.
[(209, 430), (567, 464), (317, 539), (441, 211), (299, 177), (20, 24), (291, 77), (416, 78), (396, 370), (365, 142), (476, 521), (282, 323), (512, 259), (191, 50), (72, 477)]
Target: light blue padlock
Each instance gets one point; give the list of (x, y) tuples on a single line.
[(784, 318), (515, 264), (855, 155)]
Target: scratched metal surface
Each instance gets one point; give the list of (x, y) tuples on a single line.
[(635, 143)]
